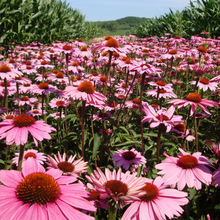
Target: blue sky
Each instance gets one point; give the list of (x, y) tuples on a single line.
[(101, 10)]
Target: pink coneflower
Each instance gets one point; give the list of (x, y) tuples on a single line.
[(11, 88), (102, 116), (180, 129), (9, 115), (161, 117), (206, 84), (36, 112), (70, 167), (105, 131), (135, 103), (126, 158), (215, 147), (116, 186), (161, 85), (59, 77), (163, 93), (186, 169), (57, 115), (25, 100), (36, 194), (111, 45), (19, 79), (194, 100), (159, 202), (59, 102), (43, 88), (28, 68), (25, 88), (39, 157), (8, 72), (16, 130), (86, 92)]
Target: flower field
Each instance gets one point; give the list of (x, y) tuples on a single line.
[(124, 128)]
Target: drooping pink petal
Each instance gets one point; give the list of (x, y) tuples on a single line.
[(10, 178)]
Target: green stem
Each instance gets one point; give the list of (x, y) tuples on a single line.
[(108, 72), (6, 95), (20, 159), (158, 144), (82, 126), (141, 114), (112, 212), (196, 132), (6, 156)]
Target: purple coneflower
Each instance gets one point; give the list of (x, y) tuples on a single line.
[(159, 202), (36, 194), (16, 130), (68, 167), (126, 158), (194, 100), (186, 169)]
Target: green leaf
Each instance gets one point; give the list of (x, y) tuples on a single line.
[(97, 143)]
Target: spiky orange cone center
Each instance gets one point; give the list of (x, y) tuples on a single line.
[(39, 188)]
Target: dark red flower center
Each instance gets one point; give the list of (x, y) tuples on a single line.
[(95, 74), (7, 84), (4, 68), (129, 155), (204, 81), (162, 90), (193, 97), (60, 103), (43, 86), (117, 187), (103, 78), (39, 188), (44, 62), (35, 111), (66, 167), (202, 49), (180, 127), (136, 101), (9, 117), (75, 64), (66, 47), (84, 48), (11, 61), (18, 77), (59, 75), (30, 154), (164, 117), (28, 67), (151, 192), (112, 104), (23, 121), (172, 52), (112, 43), (86, 87), (25, 98), (94, 195), (187, 162), (26, 84), (160, 83)]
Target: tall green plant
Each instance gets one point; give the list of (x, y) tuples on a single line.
[(39, 20), (198, 16)]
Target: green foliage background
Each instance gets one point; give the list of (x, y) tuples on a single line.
[(198, 16), (24, 21)]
